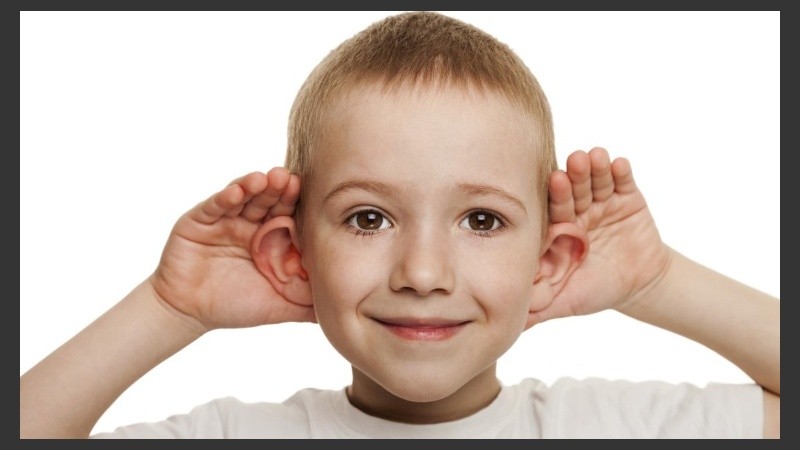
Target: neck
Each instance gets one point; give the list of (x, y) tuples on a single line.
[(371, 398)]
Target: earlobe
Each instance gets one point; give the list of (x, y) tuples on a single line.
[(564, 248), (276, 256)]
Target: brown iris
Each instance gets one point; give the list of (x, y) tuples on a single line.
[(481, 221), (369, 220)]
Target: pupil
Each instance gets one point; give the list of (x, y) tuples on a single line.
[(369, 220), (481, 221)]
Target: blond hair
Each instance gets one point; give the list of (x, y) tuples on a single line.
[(418, 48)]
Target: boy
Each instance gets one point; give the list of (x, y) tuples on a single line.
[(424, 244)]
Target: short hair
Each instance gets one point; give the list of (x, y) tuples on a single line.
[(424, 49)]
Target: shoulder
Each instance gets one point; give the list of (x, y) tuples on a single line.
[(230, 417), (596, 407)]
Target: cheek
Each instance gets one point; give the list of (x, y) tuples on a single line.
[(341, 277), (340, 273), (502, 278)]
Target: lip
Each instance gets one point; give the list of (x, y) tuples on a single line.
[(422, 329)]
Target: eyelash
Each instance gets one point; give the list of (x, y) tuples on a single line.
[(361, 232), (486, 233), (480, 233)]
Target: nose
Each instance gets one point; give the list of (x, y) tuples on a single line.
[(423, 264)]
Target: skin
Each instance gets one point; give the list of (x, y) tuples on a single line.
[(403, 157), (667, 290), (235, 260), (206, 258)]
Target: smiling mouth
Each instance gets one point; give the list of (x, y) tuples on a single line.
[(423, 330)]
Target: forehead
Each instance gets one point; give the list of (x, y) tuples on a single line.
[(404, 107), (428, 138)]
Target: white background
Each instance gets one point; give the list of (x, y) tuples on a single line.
[(127, 119)]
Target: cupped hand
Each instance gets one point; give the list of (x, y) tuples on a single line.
[(206, 270), (626, 256)]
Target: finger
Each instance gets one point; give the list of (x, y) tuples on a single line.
[(562, 204), (234, 210), (256, 209), (288, 201), (251, 184), (218, 205), (623, 176), (579, 172), (602, 181), (242, 178)]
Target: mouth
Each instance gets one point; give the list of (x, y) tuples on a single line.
[(418, 329)]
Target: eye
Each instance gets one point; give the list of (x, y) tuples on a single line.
[(368, 220), (481, 221)]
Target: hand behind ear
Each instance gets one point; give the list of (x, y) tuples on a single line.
[(210, 269), (625, 253)]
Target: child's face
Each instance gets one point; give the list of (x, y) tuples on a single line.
[(421, 237)]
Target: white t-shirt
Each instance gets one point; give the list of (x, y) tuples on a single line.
[(569, 408)]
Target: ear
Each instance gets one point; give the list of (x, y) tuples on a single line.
[(275, 252), (563, 250)]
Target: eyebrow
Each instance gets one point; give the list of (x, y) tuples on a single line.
[(484, 189), (379, 187), (389, 190)]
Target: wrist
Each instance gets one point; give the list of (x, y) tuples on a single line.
[(645, 302), (167, 317)]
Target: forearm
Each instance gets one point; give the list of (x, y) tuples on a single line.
[(740, 323), (66, 393)]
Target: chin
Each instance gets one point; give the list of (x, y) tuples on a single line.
[(425, 389)]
